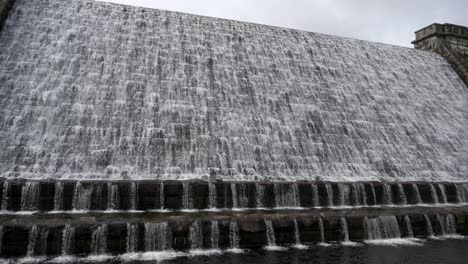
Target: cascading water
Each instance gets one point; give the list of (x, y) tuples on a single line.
[(260, 193), (235, 202), (443, 193), (212, 195), (113, 197), (402, 195), (132, 236), (434, 197), (242, 196), (214, 239), (270, 233), (429, 229), (315, 196), (451, 224), (329, 189), (5, 195), (133, 196), (382, 227), (387, 194), (99, 240), (343, 194), (30, 196), (462, 192), (58, 196), (297, 235), (161, 196), (409, 226), (82, 196), (32, 240), (344, 229), (374, 195), (158, 236), (234, 236), (359, 195), (187, 199), (286, 195), (68, 237), (37, 241), (442, 224), (321, 229), (416, 193), (196, 236)]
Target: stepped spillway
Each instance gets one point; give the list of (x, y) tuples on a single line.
[(127, 130)]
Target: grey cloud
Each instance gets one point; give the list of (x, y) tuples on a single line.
[(392, 22)]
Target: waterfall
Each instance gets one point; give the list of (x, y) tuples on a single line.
[(58, 196), (430, 230), (374, 196), (260, 192), (344, 229), (68, 236), (402, 195), (270, 233), (409, 227), (286, 195), (5, 195), (212, 195), (462, 192), (196, 236), (37, 241), (443, 193), (214, 235), (322, 230), (297, 237), (442, 224), (113, 197), (435, 199), (133, 196), (382, 227), (161, 196), (187, 199), (359, 194), (30, 196), (315, 196), (234, 236), (132, 236), (416, 193), (451, 224), (32, 240), (329, 189), (343, 194), (82, 197), (242, 196), (387, 194), (235, 203), (158, 236), (99, 240)]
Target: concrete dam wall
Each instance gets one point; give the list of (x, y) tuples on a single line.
[(127, 130)]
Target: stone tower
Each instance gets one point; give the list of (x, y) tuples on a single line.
[(450, 41)]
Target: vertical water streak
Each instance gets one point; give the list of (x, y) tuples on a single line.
[(374, 195), (286, 195), (402, 195), (234, 235), (30, 196), (196, 236), (32, 240), (462, 192), (99, 240), (387, 194), (161, 196), (435, 199), (214, 235), (329, 189), (443, 193), (58, 196), (68, 236), (37, 241), (242, 196), (297, 236), (343, 194), (344, 229), (212, 195), (382, 227), (442, 224), (416, 193), (322, 230), (362, 190), (133, 195), (5, 195), (1, 239), (429, 229), (158, 236), (315, 196), (451, 224), (187, 200), (82, 197), (260, 193), (409, 226), (235, 202), (270, 233), (113, 197), (132, 236)]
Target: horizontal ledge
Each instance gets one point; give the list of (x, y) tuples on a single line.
[(116, 217)]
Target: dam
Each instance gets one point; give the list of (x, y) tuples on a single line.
[(127, 130)]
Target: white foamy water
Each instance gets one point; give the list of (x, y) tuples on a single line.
[(396, 242)]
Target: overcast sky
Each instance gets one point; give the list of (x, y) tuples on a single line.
[(386, 21)]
